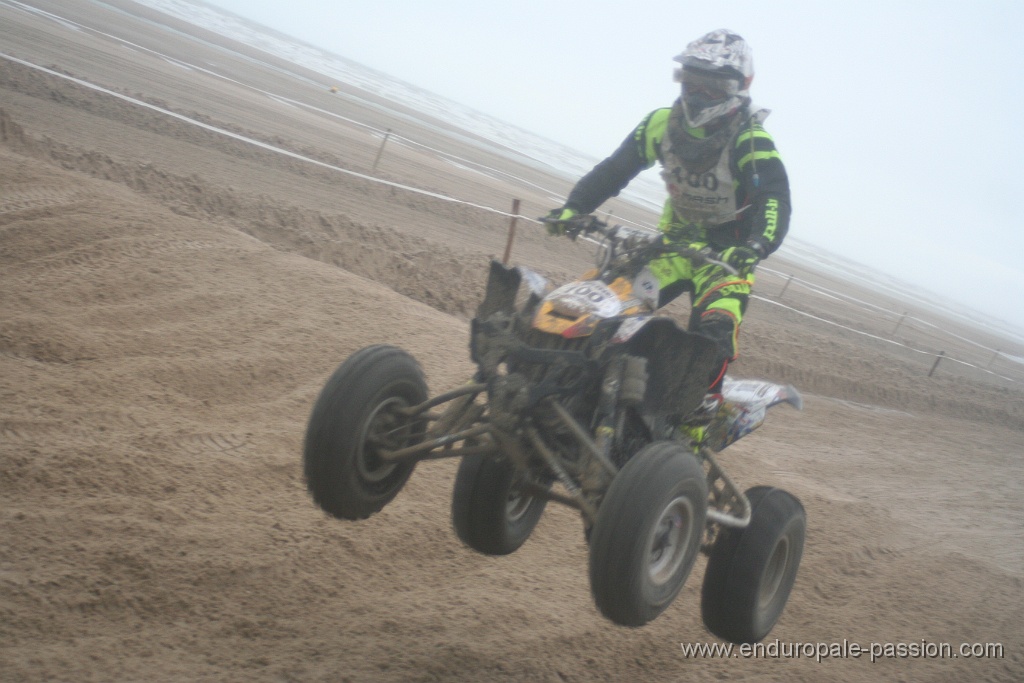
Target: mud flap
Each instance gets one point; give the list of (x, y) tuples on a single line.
[(678, 366), (502, 286)]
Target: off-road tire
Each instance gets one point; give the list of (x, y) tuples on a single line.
[(659, 495), (489, 514), (359, 402), (751, 571)]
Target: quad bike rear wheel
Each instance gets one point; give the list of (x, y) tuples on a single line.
[(489, 512), (358, 412), (751, 571), (647, 534)]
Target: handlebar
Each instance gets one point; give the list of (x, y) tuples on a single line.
[(589, 224)]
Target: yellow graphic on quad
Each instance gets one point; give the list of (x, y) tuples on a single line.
[(574, 310)]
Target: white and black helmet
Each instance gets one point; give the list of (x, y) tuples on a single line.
[(716, 75)]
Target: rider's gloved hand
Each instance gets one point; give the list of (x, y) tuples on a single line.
[(744, 258), (557, 220)]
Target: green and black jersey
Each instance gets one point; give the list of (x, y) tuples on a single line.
[(760, 187)]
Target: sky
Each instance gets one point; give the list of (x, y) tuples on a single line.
[(898, 121)]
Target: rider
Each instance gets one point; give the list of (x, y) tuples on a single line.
[(728, 188)]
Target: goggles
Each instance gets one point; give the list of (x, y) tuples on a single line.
[(708, 89)]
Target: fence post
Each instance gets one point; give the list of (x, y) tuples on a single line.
[(511, 231), (785, 286), (937, 359), (381, 150), (899, 322)]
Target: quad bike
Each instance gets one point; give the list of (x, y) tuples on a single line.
[(585, 397)]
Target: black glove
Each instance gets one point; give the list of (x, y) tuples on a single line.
[(557, 220), (744, 259)]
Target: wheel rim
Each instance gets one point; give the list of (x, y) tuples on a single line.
[(774, 572), (384, 428), (517, 505), (670, 540)]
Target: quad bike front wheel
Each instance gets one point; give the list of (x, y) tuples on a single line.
[(358, 412), (751, 571), (647, 534), (489, 511)]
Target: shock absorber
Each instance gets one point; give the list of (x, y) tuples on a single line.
[(634, 381)]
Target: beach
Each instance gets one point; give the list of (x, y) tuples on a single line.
[(194, 234)]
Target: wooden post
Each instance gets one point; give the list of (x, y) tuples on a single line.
[(899, 322), (511, 231), (785, 286), (381, 150), (937, 359)]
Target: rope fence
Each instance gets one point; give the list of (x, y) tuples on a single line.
[(388, 134), (904, 319)]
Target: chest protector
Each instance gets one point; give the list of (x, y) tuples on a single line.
[(702, 193)]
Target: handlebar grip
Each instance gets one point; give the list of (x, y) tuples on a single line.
[(585, 224)]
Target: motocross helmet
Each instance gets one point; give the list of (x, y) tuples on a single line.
[(716, 75)]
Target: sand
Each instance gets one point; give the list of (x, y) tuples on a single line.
[(172, 300)]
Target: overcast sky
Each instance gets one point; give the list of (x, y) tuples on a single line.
[(898, 121)]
